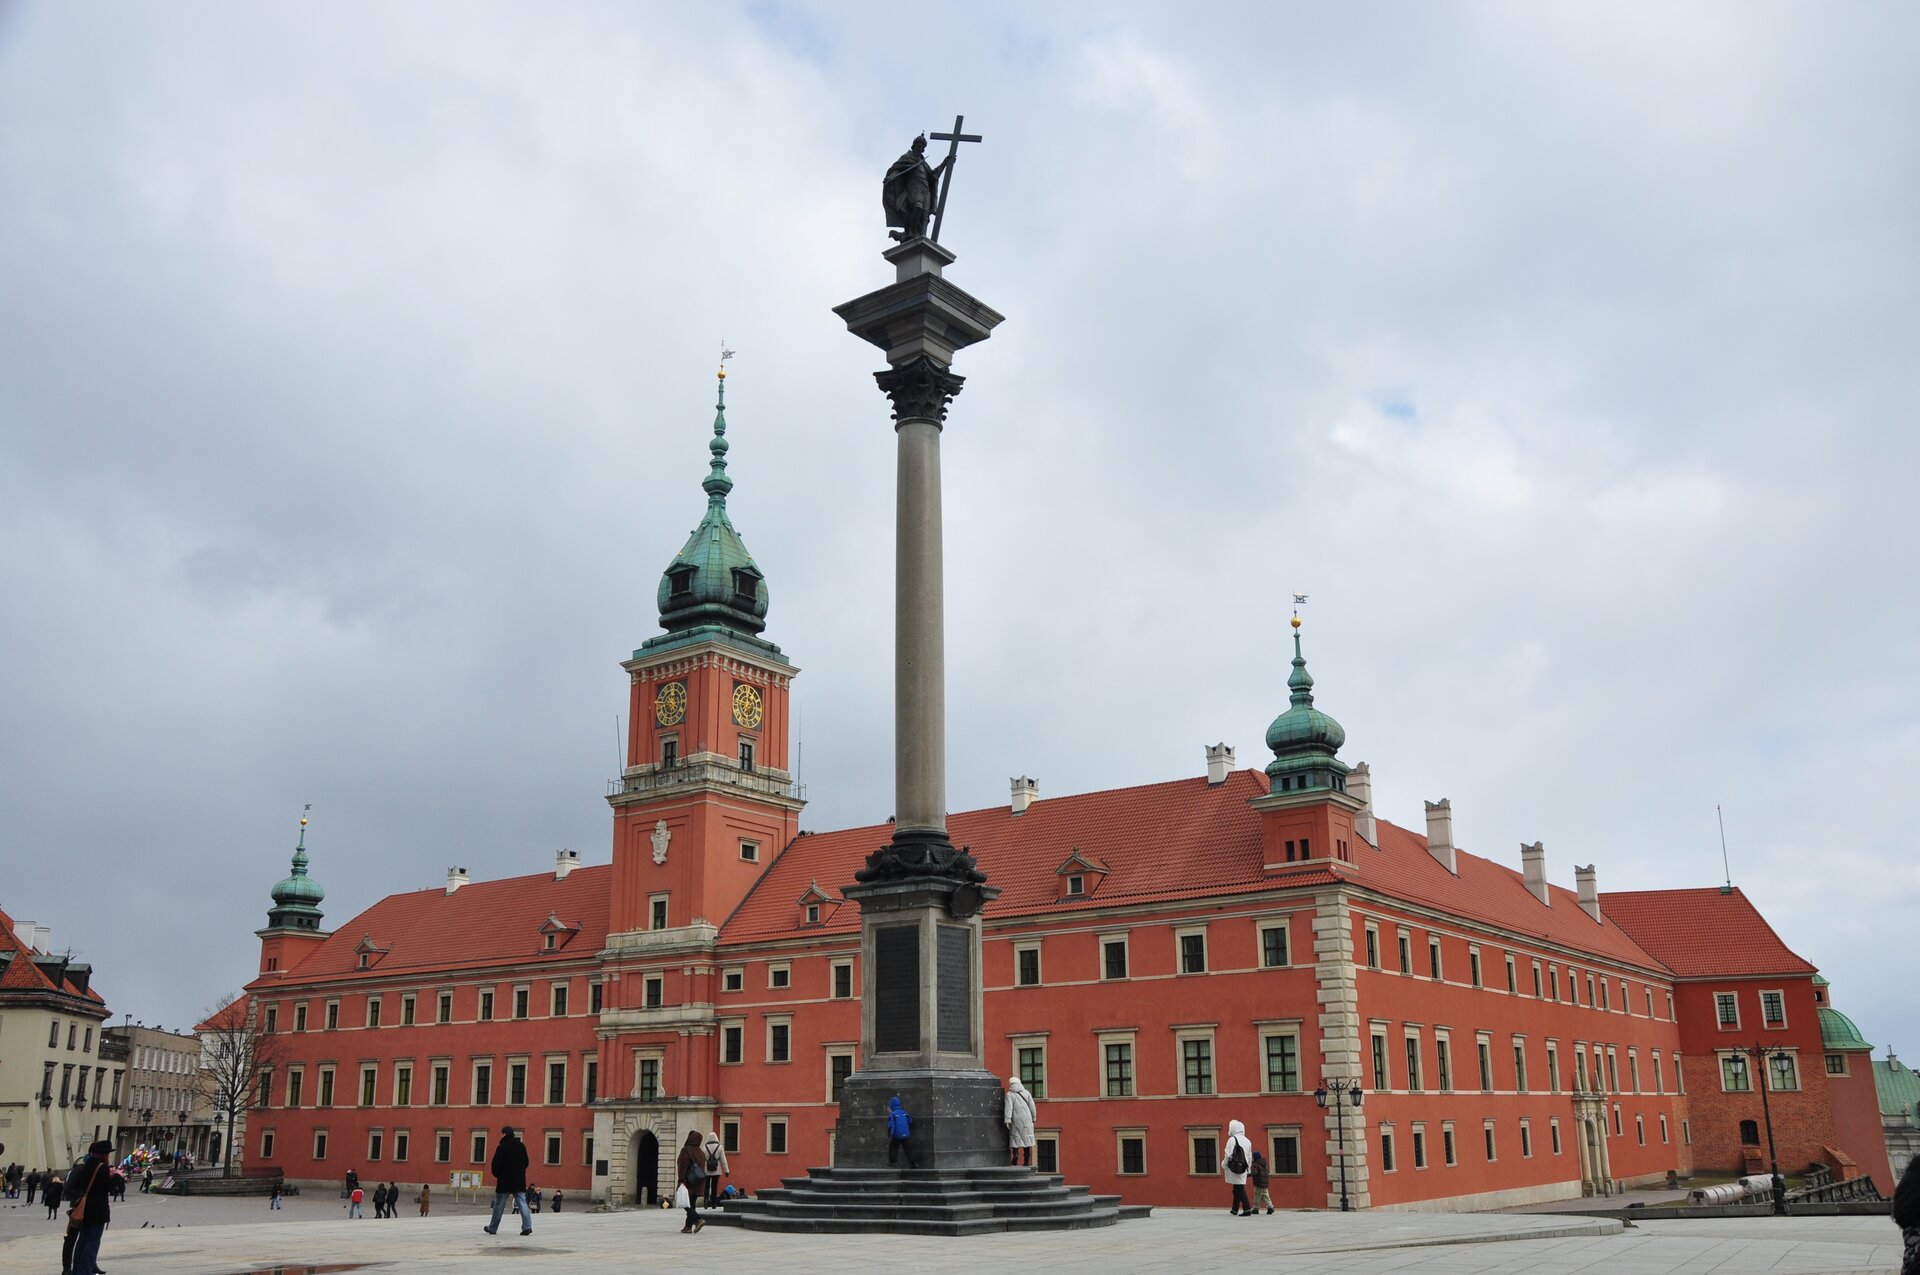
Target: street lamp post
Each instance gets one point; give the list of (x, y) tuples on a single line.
[(1330, 1094), (1782, 1063)]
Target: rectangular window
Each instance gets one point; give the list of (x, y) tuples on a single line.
[(1273, 946), (516, 1084), (559, 1008), (780, 977), (1433, 957), (1196, 1066), (266, 1144), (839, 1071), (1664, 1138), (1413, 1064), (376, 1143), (261, 1099), (326, 1086), (746, 763), (1449, 1150), (653, 991), (1519, 1067), (1553, 1134), (1443, 1057), (1203, 1153), (750, 852), (1283, 1063), (333, 1015), (1046, 1153), (553, 1148), (1726, 1008), (1119, 1066), (522, 996), (486, 1006), (1640, 1130), (1487, 1132), (730, 1135), (1773, 1009), (273, 1021), (1603, 997), (1419, 1147), (1485, 1050), (1133, 1154), (732, 980), (477, 1151), (320, 1144), (401, 1141), (669, 753), (732, 1043), (776, 1130), (1031, 1062), (556, 1083), (1836, 1065), (369, 1076), (1633, 1069), (1576, 995), (649, 1082), (1113, 958), (1536, 980), (1473, 966), (443, 1008), (842, 980), (1285, 1157), (1386, 1151), (482, 1084), (1373, 948), (1579, 1069), (1553, 980), (657, 912), (1513, 978), (1380, 1060), (1193, 952), (593, 1081), (1553, 1067), (1026, 962), (295, 1079), (779, 1042), (442, 1148), (1783, 1072), (373, 1011), (1406, 954), (402, 1085), (593, 997), (406, 1011), (440, 1084), (1526, 1140), (299, 1020)]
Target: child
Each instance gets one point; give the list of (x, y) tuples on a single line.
[(1261, 1200), (274, 1203), (353, 1203), (899, 1129)]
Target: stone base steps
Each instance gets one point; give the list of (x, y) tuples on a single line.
[(924, 1202)]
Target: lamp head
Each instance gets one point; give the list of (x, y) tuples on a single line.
[(1320, 1096)]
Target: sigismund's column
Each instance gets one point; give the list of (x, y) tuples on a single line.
[(920, 896)]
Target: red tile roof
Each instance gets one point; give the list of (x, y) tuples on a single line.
[(229, 1017), (24, 973), (1704, 933), (487, 922)]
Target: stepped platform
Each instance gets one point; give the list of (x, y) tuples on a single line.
[(924, 1202)]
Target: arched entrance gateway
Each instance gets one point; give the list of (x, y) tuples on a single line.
[(646, 1168)]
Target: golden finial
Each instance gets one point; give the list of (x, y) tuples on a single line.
[(1296, 621)]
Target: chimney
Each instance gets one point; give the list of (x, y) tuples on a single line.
[(1219, 764), (1025, 793), (1360, 788), (33, 937), (1440, 834), (456, 877), (1583, 878), (565, 861), (1533, 859)]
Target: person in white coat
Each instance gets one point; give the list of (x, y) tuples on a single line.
[(1020, 1113), (1236, 1162)]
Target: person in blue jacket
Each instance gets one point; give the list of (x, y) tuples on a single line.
[(899, 1129)]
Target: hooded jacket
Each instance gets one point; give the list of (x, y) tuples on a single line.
[(899, 1123), (1019, 1114), (1236, 1132)]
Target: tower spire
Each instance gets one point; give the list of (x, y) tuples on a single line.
[(717, 484), (297, 899)]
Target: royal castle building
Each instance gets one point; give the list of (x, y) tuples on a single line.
[(1160, 960)]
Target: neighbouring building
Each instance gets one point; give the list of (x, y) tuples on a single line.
[(1162, 959), (60, 1085), (167, 1108), (1899, 1092)]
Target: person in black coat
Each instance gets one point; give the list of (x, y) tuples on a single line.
[(80, 1254), (1906, 1215), (510, 1181)]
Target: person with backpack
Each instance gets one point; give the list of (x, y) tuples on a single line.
[(1260, 1176), (899, 1130), (1020, 1113), (691, 1170), (717, 1168), (1235, 1165), (354, 1199)]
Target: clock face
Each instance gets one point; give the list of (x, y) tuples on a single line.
[(670, 704), (746, 705)]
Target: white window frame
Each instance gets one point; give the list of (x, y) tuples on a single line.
[(1180, 937), (779, 1020), (1020, 949), (1768, 1023), (833, 979), (1125, 948), (733, 979), (779, 976)]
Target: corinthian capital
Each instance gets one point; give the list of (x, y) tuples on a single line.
[(920, 389)]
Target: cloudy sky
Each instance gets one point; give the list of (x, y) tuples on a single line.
[(356, 366)]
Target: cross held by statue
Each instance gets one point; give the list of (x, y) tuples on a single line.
[(953, 140)]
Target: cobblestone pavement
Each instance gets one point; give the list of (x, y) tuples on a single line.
[(215, 1237)]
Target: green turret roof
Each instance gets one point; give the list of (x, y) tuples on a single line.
[(296, 900), (1897, 1087), (1304, 740), (1837, 1031), (713, 587)]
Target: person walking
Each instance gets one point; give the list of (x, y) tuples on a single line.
[(87, 1219), (353, 1203), (50, 1193), (33, 1185), (717, 1168), (274, 1201), (899, 1131), (509, 1167), (692, 1173), (426, 1199), (1020, 1113), (1906, 1216), (1235, 1165), (1260, 1176)]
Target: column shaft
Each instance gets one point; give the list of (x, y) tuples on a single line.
[(919, 649)]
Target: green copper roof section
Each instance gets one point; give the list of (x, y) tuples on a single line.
[(296, 900), (1837, 1031), (1305, 740), (1898, 1088), (713, 582)]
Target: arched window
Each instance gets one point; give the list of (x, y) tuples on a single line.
[(1749, 1133)]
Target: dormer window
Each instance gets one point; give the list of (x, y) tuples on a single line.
[(679, 582), (746, 586), (1076, 884), (1080, 876), (814, 903), (813, 914)]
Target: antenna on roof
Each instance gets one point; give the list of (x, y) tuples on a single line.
[(1724, 862), (619, 748)]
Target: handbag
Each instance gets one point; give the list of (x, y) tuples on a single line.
[(696, 1173), (77, 1215), (681, 1199)]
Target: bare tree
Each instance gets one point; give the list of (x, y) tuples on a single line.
[(234, 1049)]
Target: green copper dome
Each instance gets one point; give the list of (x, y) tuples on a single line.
[(713, 580), (1305, 740), (1837, 1032), (296, 900)]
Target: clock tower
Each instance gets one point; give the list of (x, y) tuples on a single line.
[(706, 799)]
